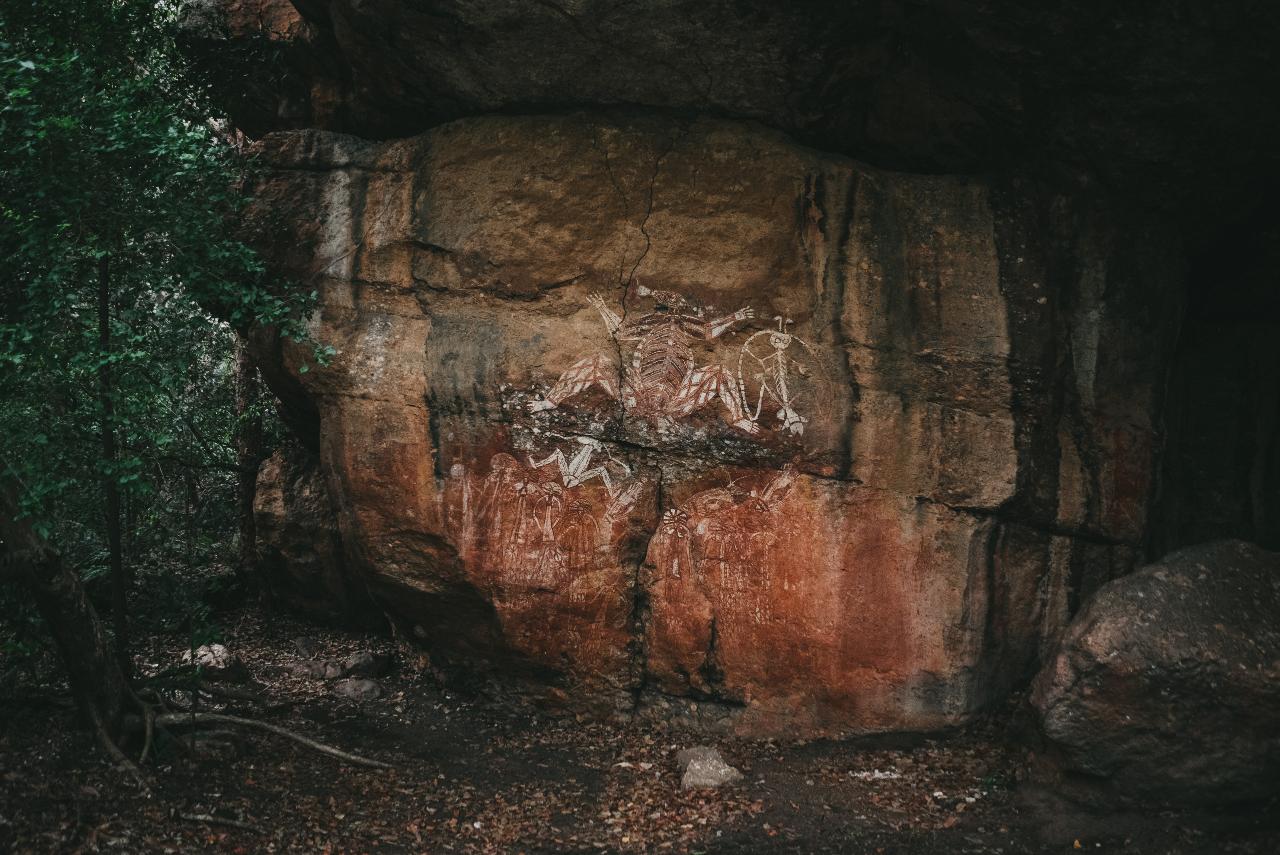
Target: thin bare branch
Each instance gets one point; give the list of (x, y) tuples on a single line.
[(193, 718)]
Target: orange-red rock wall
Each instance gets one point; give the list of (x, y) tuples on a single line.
[(639, 408)]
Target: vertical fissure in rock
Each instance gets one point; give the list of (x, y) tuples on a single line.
[(837, 285), (433, 432), (1035, 496), (640, 600), (648, 211), (625, 284), (358, 192), (603, 148), (710, 670), (1079, 291)]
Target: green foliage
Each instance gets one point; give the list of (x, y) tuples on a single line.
[(109, 150)]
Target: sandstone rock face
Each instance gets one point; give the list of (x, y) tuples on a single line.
[(1167, 684), (626, 406)]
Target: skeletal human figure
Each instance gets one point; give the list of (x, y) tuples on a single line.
[(773, 373), (577, 469), (663, 380)]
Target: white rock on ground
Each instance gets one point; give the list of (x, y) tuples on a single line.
[(703, 768), (217, 663)]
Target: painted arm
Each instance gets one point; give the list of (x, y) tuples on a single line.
[(612, 322), (717, 328)]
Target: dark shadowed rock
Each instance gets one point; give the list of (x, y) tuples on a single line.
[(358, 689), (1146, 92), (365, 664), (299, 553), (306, 647), (1167, 685)]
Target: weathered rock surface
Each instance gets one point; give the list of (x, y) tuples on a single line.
[(626, 405), (1167, 684)]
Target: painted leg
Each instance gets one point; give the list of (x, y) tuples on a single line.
[(701, 386), (596, 370)]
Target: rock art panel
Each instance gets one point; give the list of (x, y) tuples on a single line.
[(776, 370), (641, 408), (546, 539)]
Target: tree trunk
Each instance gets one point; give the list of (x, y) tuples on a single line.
[(110, 484), (98, 684), (249, 456)]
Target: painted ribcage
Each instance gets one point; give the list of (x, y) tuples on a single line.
[(660, 363)]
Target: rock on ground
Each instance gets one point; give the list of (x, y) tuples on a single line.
[(358, 689), (703, 768), (306, 647), (359, 664), (217, 663), (1167, 685), (364, 664)]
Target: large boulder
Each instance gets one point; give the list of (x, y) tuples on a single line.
[(1167, 685), (631, 406)]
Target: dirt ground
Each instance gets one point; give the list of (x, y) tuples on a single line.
[(474, 777)]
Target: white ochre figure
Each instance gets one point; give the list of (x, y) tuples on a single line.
[(577, 469), (769, 357)]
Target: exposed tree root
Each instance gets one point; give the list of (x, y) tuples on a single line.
[(149, 723), (233, 693), (113, 751), (196, 718)]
